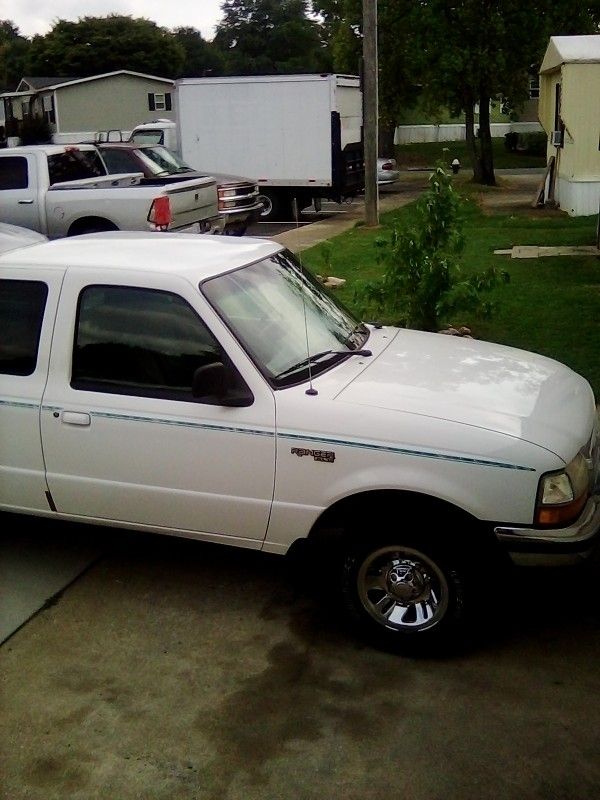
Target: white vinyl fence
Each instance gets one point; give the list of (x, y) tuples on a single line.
[(410, 134)]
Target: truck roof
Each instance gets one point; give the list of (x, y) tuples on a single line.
[(48, 149), (349, 80), (195, 256)]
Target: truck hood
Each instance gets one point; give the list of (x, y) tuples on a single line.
[(479, 384), (221, 178)]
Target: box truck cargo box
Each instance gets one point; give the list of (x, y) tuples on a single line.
[(298, 136)]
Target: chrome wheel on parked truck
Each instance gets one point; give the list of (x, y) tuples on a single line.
[(405, 596), (267, 206)]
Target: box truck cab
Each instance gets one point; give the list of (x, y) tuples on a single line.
[(298, 136)]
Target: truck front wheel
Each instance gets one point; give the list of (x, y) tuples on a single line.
[(406, 597), (270, 206), (276, 205)]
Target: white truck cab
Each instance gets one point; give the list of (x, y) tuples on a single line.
[(210, 388)]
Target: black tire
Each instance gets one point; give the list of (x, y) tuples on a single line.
[(405, 596), (277, 205)]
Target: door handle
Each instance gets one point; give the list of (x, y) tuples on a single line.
[(75, 418), (25, 202)]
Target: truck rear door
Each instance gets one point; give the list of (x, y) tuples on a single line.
[(19, 196), (28, 300)]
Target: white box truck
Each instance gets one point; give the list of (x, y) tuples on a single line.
[(298, 136)]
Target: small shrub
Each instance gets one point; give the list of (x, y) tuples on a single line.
[(421, 286), (534, 144)]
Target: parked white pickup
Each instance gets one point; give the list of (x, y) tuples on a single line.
[(208, 387), (66, 190)]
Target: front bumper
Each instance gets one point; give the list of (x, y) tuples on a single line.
[(242, 216), (554, 546)]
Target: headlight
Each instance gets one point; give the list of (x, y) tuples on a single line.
[(225, 205), (563, 494), (227, 193)]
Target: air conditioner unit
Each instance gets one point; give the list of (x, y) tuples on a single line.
[(557, 138)]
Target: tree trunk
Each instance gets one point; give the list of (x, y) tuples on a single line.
[(472, 141), (485, 135)]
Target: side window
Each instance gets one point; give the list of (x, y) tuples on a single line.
[(13, 173), (118, 161), (22, 306), (534, 87), (141, 342), (159, 101), (74, 165)]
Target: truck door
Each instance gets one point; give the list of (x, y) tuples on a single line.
[(28, 299), (18, 191), (124, 437)]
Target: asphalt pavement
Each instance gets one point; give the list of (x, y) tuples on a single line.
[(313, 227), (178, 669)]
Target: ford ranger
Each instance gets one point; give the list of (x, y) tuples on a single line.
[(209, 387)]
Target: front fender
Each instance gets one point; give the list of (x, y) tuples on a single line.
[(313, 477)]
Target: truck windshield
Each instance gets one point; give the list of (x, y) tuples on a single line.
[(148, 137), (164, 160), (285, 319)]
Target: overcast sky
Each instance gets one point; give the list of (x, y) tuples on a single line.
[(37, 16)]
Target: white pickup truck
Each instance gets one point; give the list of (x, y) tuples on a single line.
[(65, 190), (208, 387)]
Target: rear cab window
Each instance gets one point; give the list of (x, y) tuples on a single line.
[(74, 165), (13, 173), (22, 305), (119, 161)]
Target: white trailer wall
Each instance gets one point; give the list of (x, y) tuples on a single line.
[(276, 130)]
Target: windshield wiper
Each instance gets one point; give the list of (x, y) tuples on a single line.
[(317, 356), (359, 328)]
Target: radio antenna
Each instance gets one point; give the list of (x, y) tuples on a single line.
[(311, 391)]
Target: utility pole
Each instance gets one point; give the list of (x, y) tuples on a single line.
[(370, 111)]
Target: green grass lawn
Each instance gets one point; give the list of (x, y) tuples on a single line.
[(426, 154), (550, 306)]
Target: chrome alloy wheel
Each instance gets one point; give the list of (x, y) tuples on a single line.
[(402, 589)]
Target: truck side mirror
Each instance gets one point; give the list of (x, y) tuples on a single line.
[(216, 380)]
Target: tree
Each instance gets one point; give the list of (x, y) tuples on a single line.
[(201, 57), (475, 51), (13, 55), (422, 286), (95, 45), (270, 37), (399, 58), (458, 54)]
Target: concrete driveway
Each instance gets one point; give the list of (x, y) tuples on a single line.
[(173, 669)]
